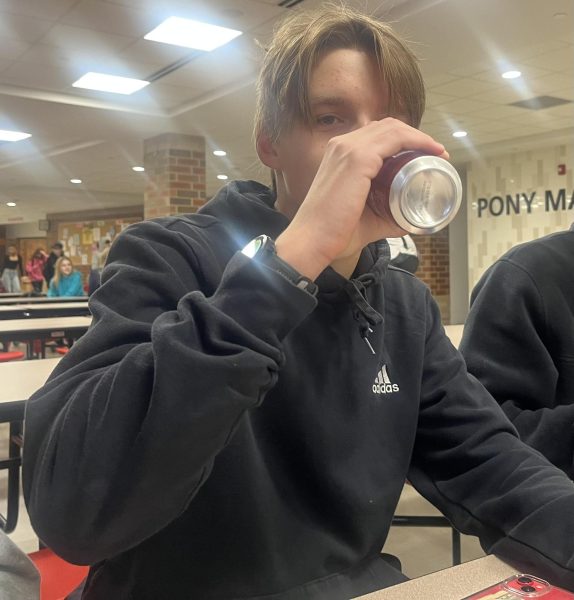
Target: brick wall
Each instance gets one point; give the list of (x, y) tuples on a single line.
[(434, 267), (175, 170)]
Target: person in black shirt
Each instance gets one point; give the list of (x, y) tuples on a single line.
[(519, 342), (12, 270), (56, 252), (258, 382)]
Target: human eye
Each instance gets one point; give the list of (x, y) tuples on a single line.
[(328, 120)]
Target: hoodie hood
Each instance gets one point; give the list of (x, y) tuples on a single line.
[(249, 207)]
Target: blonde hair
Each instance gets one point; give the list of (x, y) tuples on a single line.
[(302, 40), (57, 272)]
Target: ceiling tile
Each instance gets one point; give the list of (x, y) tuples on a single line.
[(434, 100), (110, 18), (41, 9), (461, 106), (558, 60), (42, 77), (73, 38), (464, 87), (550, 83), (11, 49), (22, 28)]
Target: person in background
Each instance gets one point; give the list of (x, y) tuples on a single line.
[(94, 278), (104, 254), (257, 383), (66, 281), (35, 269), (404, 253), (12, 270), (518, 341), (19, 578), (56, 252)]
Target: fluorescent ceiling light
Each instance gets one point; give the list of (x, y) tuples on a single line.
[(13, 136), (220, 153), (138, 169), (191, 34), (459, 134), (10, 203), (110, 83), (222, 177), (75, 181), (511, 74)]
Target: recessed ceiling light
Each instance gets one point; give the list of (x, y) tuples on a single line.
[(10, 203), (138, 169), (191, 34), (75, 181), (459, 134), (511, 74), (560, 15), (13, 136), (220, 153), (222, 177), (110, 83)]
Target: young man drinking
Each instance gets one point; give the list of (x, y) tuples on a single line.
[(218, 432)]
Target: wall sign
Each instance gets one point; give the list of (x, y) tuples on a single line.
[(523, 203)]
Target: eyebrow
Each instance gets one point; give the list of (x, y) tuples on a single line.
[(328, 101)]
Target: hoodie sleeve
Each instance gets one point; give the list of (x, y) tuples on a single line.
[(469, 462), (509, 347), (126, 430)]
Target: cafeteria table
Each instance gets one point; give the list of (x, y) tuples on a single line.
[(44, 310), (454, 583), (28, 330), (22, 299), (19, 381), (454, 332)]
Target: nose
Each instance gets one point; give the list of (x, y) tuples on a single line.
[(363, 120)]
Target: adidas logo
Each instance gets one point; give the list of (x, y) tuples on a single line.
[(383, 384)]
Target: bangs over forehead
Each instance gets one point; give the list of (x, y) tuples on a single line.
[(301, 42)]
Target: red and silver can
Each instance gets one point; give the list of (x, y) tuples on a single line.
[(421, 193)]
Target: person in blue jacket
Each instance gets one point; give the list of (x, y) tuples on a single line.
[(66, 281), (258, 382)]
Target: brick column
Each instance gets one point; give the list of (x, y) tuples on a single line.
[(434, 268), (175, 169)]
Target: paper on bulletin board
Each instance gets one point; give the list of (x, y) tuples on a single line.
[(72, 250), (84, 259), (86, 237), (65, 233), (96, 234)]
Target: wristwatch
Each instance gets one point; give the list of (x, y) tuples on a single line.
[(262, 249)]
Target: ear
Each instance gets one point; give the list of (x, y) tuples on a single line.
[(267, 152)]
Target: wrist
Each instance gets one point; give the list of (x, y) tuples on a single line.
[(262, 249), (302, 256)]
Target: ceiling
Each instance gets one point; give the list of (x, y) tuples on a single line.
[(45, 45)]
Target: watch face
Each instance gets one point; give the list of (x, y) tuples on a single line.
[(253, 247)]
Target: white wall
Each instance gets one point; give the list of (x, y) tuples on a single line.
[(515, 198)]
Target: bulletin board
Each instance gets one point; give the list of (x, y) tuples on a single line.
[(84, 240)]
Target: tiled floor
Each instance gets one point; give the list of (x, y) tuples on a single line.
[(421, 550)]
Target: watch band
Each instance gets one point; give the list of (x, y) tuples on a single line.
[(262, 249)]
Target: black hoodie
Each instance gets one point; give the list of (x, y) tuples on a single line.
[(219, 433), (519, 342)]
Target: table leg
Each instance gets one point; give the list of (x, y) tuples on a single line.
[(8, 523)]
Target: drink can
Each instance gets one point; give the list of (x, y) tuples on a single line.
[(420, 192)]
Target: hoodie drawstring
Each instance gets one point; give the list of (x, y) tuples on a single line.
[(363, 312)]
